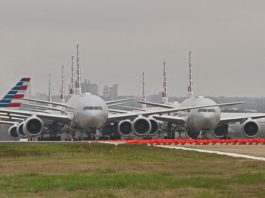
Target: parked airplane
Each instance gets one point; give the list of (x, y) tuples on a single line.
[(200, 121), (184, 118)]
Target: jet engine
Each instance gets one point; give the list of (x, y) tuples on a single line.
[(141, 126), (154, 126), (20, 129), (221, 132), (125, 127), (193, 134), (12, 131), (250, 128), (33, 126)]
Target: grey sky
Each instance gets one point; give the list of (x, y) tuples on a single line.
[(119, 39)]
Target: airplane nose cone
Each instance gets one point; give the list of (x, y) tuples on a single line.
[(208, 121), (93, 120)]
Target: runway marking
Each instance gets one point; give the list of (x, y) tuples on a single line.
[(110, 142), (236, 155)]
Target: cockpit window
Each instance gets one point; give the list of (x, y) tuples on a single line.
[(98, 108), (88, 108), (93, 108), (206, 110), (211, 110)]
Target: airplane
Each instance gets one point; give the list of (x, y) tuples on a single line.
[(201, 121), (187, 118), (86, 112)]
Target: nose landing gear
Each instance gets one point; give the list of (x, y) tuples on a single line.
[(204, 134)]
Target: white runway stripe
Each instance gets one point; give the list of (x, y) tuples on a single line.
[(237, 155)]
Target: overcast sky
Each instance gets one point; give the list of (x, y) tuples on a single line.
[(120, 39)]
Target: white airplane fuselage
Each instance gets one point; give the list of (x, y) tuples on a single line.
[(89, 111), (203, 118)]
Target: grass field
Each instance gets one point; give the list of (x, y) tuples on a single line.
[(96, 170)]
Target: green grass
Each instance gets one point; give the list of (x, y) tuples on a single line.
[(96, 170)]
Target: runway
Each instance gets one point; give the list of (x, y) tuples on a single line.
[(239, 148), (254, 152)]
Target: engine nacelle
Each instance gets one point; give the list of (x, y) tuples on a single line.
[(12, 131), (20, 130), (125, 128), (221, 132), (141, 126), (193, 134), (154, 126), (250, 128), (33, 126)]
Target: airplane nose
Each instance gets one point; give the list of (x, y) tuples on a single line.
[(92, 120), (207, 120)]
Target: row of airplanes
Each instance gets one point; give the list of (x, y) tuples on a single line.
[(85, 112)]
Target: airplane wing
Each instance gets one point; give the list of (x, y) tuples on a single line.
[(109, 103), (115, 102), (156, 104), (227, 118), (117, 111), (47, 102), (132, 108), (169, 106), (172, 119), (134, 114), (7, 122), (13, 113), (42, 108)]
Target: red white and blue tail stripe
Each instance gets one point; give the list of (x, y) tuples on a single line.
[(11, 99)]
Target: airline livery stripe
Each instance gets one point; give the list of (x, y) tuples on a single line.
[(12, 96), (14, 105), (5, 101), (23, 88), (19, 83), (18, 96), (16, 88), (10, 105), (12, 92), (8, 96), (25, 79)]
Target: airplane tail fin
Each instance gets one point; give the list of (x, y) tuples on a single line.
[(15, 94)]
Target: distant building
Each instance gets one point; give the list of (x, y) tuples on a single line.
[(110, 92), (86, 87)]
